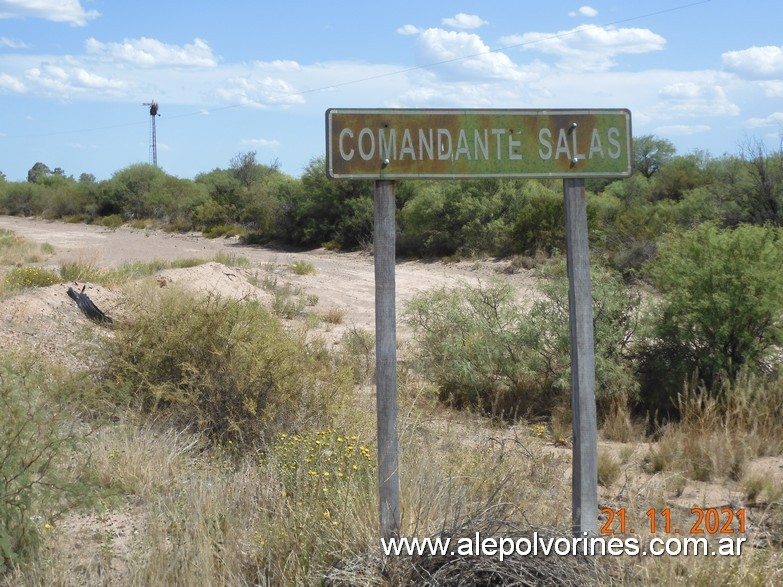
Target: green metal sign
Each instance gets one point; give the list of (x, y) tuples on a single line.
[(415, 143)]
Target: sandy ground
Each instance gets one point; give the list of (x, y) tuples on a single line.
[(343, 280)]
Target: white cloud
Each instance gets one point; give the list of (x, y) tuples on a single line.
[(279, 66), (408, 30), (91, 80), (13, 44), (260, 93), (64, 81), (774, 119), (147, 52), (69, 11), (695, 99), (464, 54), (756, 62), (682, 129), (261, 142), (772, 89), (587, 47), (10, 83), (587, 11), (464, 21)]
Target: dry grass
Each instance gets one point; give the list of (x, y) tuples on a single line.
[(177, 509), (199, 516), (333, 315), (17, 250)]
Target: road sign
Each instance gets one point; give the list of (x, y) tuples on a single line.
[(418, 143)]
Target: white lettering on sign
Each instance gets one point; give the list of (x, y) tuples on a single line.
[(368, 154), (568, 149), (346, 155), (426, 145), (500, 144)]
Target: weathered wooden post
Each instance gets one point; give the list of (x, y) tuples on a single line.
[(386, 359), (584, 498)]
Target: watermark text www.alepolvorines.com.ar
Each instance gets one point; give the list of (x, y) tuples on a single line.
[(540, 545)]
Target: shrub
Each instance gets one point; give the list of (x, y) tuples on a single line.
[(333, 315), (485, 351), (225, 231), (15, 249), (540, 223), (226, 366), (358, 348), (302, 268), (456, 218), (110, 221), (24, 277), (722, 307), (609, 468), (37, 438)]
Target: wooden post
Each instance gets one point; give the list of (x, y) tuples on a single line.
[(580, 305), (386, 359)]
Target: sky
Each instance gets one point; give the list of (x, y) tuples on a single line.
[(235, 76)]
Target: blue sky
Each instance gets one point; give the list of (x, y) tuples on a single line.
[(233, 76)]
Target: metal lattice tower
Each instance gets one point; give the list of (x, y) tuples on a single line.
[(153, 137)]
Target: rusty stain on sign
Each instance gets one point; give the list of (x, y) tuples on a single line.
[(416, 143)]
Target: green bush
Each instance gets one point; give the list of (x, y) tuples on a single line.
[(483, 350), (226, 366), (37, 438), (358, 352), (110, 221), (540, 223), (457, 218), (225, 231), (24, 277), (721, 308), (320, 210), (302, 268)]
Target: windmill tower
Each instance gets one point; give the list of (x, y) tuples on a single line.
[(153, 138)]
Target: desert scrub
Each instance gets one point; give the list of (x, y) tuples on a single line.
[(485, 351), (15, 249), (37, 441), (111, 221), (25, 277), (327, 499), (225, 366), (358, 352), (302, 268), (721, 309), (329, 454), (322, 466)]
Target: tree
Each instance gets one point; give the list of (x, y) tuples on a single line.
[(767, 173), (650, 153), (325, 211), (722, 307), (243, 166), (677, 177), (248, 171), (38, 171)]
